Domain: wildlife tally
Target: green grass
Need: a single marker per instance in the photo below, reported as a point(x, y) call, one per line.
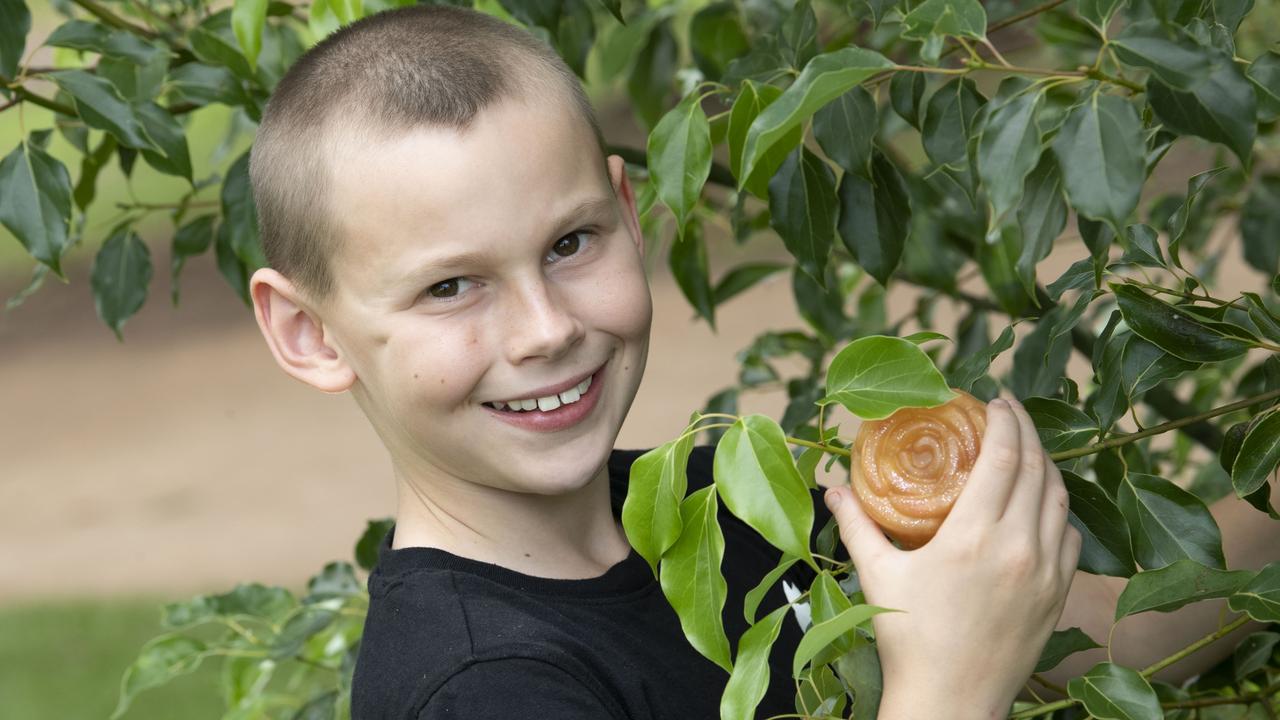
point(64, 660)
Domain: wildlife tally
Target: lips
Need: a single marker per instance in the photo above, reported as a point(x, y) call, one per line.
point(547, 390)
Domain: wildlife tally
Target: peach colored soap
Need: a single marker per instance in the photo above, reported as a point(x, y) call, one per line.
point(908, 468)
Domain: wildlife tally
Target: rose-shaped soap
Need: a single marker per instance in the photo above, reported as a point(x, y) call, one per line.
point(908, 468)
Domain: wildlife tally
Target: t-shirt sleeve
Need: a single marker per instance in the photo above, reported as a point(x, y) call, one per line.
point(514, 687)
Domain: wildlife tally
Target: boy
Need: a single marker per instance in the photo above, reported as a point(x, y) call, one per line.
point(448, 243)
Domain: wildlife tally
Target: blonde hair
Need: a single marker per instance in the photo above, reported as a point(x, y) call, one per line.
point(425, 65)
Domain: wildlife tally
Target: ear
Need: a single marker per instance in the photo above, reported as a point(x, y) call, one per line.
point(296, 334)
point(622, 188)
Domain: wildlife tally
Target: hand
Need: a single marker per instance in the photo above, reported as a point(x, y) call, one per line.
point(982, 597)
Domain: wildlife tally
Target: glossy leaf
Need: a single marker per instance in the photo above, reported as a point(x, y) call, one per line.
point(751, 101)
point(1042, 216)
point(1008, 149)
point(973, 367)
point(757, 476)
point(750, 676)
point(1168, 523)
point(822, 634)
point(716, 38)
point(1179, 62)
point(1174, 330)
point(742, 278)
point(15, 23)
point(949, 121)
point(1100, 149)
point(1106, 547)
point(190, 240)
point(1144, 247)
point(691, 578)
point(802, 209)
point(825, 78)
point(1060, 426)
point(1099, 12)
point(906, 93)
point(120, 278)
point(36, 206)
point(845, 128)
point(1221, 109)
point(1063, 644)
point(1261, 597)
point(162, 659)
point(1259, 220)
point(875, 217)
point(1264, 73)
point(860, 670)
point(957, 18)
point(1258, 456)
point(101, 106)
point(1254, 653)
point(1177, 585)
point(174, 158)
point(872, 377)
point(650, 79)
point(247, 19)
point(1113, 692)
point(651, 512)
point(680, 157)
point(753, 599)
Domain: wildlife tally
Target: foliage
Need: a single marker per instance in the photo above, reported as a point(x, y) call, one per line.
point(883, 143)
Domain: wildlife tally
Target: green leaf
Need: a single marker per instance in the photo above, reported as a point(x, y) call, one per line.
point(1112, 692)
point(1261, 597)
point(688, 262)
point(825, 78)
point(1063, 644)
point(906, 93)
point(200, 84)
point(1168, 523)
point(15, 23)
point(860, 670)
point(872, 377)
point(1144, 247)
point(949, 121)
point(958, 18)
point(751, 101)
point(1040, 360)
point(651, 512)
point(680, 157)
point(802, 209)
point(1258, 222)
point(214, 42)
point(120, 277)
point(651, 75)
point(1100, 149)
point(575, 35)
point(162, 659)
point(240, 216)
point(750, 676)
point(691, 579)
point(742, 278)
point(1106, 547)
point(1254, 653)
point(845, 128)
point(1178, 61)
point(821, 694)
point(1177, 585)
point(822, 634)
point(1264, 73)
point(190, 240)
point(1258, 456)
point(1176, 331)
point(716, 37)
point(1099, 12)
point(1009, 148)
point(753, 599)
point(973, 367)
point(757, 476)
point(102, 107)
point(37, 202)
point(1221, 109)
point(336, 580)
point(875, 217)
point(1042, 215)
point(1060, 426)
point(160, 126)
point(826, 601)
point(615, 8)
point(366, 550)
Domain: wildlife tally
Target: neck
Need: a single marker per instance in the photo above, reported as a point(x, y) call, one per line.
point(567, 536)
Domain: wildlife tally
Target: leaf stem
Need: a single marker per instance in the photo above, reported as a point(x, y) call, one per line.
point(1245, 699)
point(1164, 427)
point(1207, 639)
point(831, 449)
point(24, 95)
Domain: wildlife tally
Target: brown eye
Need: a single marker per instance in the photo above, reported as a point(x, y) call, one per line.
point(447, 288)
point(567, 245)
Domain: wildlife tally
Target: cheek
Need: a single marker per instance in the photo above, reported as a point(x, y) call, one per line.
point(620, 303)
point(439, 368)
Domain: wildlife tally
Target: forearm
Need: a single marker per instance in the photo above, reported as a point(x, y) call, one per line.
point(926, 703)
point(1250, 540)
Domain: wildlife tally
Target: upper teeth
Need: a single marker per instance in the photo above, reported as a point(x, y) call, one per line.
point(548, 403)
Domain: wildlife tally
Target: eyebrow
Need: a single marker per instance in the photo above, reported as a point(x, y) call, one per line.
point(591, 209)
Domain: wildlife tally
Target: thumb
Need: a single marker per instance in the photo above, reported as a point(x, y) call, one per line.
point(861, 535)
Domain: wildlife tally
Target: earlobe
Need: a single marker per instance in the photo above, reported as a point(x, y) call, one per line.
point(622, 187)
point(295, 335)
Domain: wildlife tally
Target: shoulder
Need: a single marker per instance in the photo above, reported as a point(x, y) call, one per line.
point(520, 687)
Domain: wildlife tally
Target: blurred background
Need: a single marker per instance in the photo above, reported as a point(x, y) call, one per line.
point(183, 461)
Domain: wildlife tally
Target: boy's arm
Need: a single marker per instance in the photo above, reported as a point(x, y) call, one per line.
point(1250, 540)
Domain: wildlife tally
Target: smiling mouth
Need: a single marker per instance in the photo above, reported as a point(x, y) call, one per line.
point(546, 403)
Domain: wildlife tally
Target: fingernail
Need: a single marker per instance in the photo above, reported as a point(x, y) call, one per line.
point(833, 498)
point(999, 403)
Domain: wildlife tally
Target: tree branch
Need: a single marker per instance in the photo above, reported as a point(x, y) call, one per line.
point(24, 95)
point(115, 21)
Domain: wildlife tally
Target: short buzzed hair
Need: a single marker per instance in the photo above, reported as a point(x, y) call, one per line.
point(419, 66)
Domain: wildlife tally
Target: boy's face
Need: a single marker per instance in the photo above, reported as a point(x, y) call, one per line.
point(490, 266)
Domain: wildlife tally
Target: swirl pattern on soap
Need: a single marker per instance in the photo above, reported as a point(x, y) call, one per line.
point(908, 468)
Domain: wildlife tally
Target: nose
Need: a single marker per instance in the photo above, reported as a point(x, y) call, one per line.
point(541, 322)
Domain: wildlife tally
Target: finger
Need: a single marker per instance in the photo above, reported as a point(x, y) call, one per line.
point(1054, 509)
point(861, 535)
point(986, 492)
point(1023, 510)
point(1069, 558)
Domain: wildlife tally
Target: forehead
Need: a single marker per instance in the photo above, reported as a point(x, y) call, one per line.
point(401, 199)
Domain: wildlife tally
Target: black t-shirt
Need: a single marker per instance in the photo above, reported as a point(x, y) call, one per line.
point(450, 637)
